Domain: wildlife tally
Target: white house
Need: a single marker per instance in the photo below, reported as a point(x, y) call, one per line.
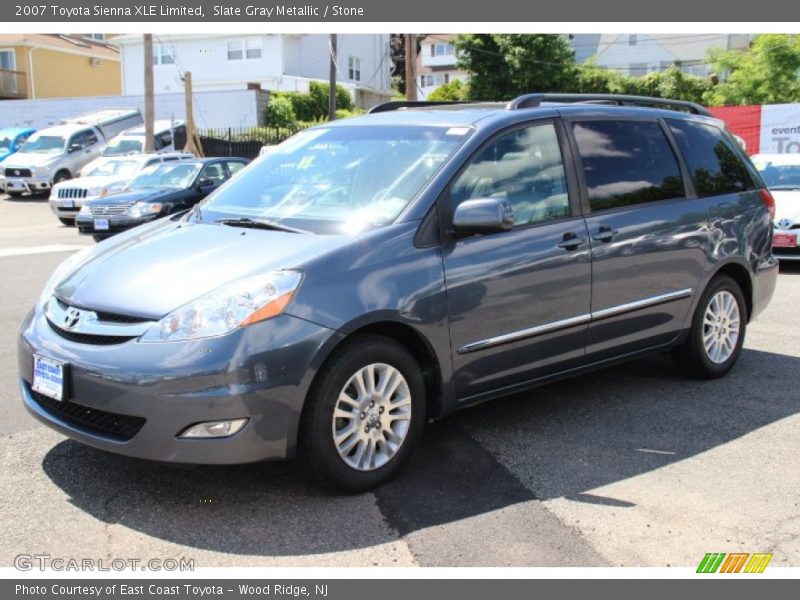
point(639, 54)
point(437, 63)
point(273, 62)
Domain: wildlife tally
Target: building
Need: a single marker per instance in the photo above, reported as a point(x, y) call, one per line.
point(57, 66)
point(639, 54)
point(437, 63)
point(272, 62)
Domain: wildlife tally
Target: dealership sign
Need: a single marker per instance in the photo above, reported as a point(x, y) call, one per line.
point(767, 129)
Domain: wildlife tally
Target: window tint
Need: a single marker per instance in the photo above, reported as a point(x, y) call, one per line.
point(627, 162)
point(715, 166)
point(91, 138)
point(78, 139)
point(234, 167)
point(213, 173)
point(523, 166)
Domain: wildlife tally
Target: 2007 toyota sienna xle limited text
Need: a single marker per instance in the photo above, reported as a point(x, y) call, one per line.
point(371, 274)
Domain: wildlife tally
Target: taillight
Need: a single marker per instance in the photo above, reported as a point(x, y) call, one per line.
point(768, 201)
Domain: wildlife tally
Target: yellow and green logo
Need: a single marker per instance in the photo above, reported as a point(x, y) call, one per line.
point(735, 562)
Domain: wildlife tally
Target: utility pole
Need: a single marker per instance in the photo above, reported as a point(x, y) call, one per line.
point(192, 142)
point(411, 67)
point(149, 143)
point(332, 78)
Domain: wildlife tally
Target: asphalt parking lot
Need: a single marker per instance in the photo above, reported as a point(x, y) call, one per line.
point(629, 466)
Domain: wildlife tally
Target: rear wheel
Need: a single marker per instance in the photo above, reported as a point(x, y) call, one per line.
point(717, 334)
point(364, 414)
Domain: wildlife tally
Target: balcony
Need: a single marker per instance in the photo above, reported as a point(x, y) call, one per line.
point(12, 85)
point(440, 60)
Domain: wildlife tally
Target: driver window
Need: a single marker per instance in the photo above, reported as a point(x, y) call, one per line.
point(77, 139)
point(525, 168)
point(213, 173)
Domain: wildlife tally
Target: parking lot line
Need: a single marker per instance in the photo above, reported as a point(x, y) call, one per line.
point(25, 250)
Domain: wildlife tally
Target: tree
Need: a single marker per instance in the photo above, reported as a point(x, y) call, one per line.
point(453, 91)
point(767, 73)
point(502, 66)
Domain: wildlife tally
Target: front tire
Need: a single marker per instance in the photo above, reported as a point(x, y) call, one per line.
point(364, 414)
point(717, 333)
point(61, 177)
point(67, 222)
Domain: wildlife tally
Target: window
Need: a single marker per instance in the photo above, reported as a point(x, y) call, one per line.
point(524, 167)
point(162, 55)
point(627, 162)
point(235, 50)
point(715, 166)
point(77, 140)
point(162, 140)
point(234, 167)
point(213, 173)
point(98, 37)
point(90, 138)
point(8, 60)
point(633, 39)
point(354, 68)
point(252, 48)
point(442, 49)
point(240, 49)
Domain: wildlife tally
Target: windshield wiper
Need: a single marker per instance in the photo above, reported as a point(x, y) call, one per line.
point(259, 224)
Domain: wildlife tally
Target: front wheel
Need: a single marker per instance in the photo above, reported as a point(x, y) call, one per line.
point(364, 414)
point(67, 222)
point(717, 334)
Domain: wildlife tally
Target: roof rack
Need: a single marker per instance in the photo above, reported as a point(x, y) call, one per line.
point(398, 104)
point(535, 100)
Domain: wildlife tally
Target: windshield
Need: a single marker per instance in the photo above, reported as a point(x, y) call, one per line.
point(44, 144)
point(122, 168)
point(166, 175)
point(336, 180)
point(119, 146)
point(780, 177)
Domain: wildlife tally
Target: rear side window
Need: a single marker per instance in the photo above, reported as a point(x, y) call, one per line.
point(627, 162)
point(715, 166)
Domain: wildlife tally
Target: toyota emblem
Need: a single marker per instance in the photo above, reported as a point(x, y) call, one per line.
point(72, 317)
point(784, 223)
point(16, 172)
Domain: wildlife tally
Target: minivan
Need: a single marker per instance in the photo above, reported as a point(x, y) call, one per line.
point(372, 274)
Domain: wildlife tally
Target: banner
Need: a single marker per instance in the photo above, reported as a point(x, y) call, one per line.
point(767, 129)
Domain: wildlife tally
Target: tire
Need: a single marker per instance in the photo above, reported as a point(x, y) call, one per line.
point(99, 238)
point(693, 357)
point(67, 222)
point(15, 195)
point(61, 177)
point(353, 469)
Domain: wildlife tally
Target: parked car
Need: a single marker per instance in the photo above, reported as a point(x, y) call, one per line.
point(371, 274)
point(11, 139)
point(106, 176)
point(781, 173)
point(55, 154)
point(131, 141)
point(158, 190)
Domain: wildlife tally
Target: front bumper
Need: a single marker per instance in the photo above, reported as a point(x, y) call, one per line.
point(86, 226)
point(33, 185)
point(67, 208)
point(261, 372)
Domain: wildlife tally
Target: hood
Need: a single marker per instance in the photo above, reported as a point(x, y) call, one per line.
point(151, 195)
point(26, 160)
point(4, 152)
point(90, 182)
point(154, 269)
point(787, 206)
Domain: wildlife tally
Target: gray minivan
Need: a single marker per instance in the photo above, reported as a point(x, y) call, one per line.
point(371, 274)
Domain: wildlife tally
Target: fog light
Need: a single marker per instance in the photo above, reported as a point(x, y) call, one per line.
point(214, 429)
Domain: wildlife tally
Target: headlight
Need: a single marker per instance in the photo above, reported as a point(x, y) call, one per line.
point(227, 308)
point(96, 191)
point(142, 209)
point(62, 270)
point(40, 170)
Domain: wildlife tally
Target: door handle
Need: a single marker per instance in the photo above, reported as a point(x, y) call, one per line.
point(605, 234)
point(571, 241)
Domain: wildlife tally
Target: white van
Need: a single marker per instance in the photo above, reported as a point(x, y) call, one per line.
point(56, 154)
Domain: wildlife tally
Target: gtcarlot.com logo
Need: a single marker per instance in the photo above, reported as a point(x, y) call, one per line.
point(42, 562)
point(735, 562)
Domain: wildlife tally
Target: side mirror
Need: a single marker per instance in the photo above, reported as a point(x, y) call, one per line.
point(74, 147)
point(205, 185)
point(483, 215)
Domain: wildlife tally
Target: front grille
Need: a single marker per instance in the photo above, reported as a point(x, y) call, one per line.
point(107, 316)
point(18, 172)
point(91, 420)
point(87, 338)
point(110, 210)
point(72, 193)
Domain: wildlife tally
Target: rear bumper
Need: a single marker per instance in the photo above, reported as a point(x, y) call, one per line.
point(764, 280)
point(136, 398)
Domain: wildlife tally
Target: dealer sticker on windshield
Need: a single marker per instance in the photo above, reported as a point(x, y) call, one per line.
point(48, 377)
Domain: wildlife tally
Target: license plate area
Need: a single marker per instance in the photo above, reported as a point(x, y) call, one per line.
point(784, 240)
point(49, 377)
point(101, 224)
